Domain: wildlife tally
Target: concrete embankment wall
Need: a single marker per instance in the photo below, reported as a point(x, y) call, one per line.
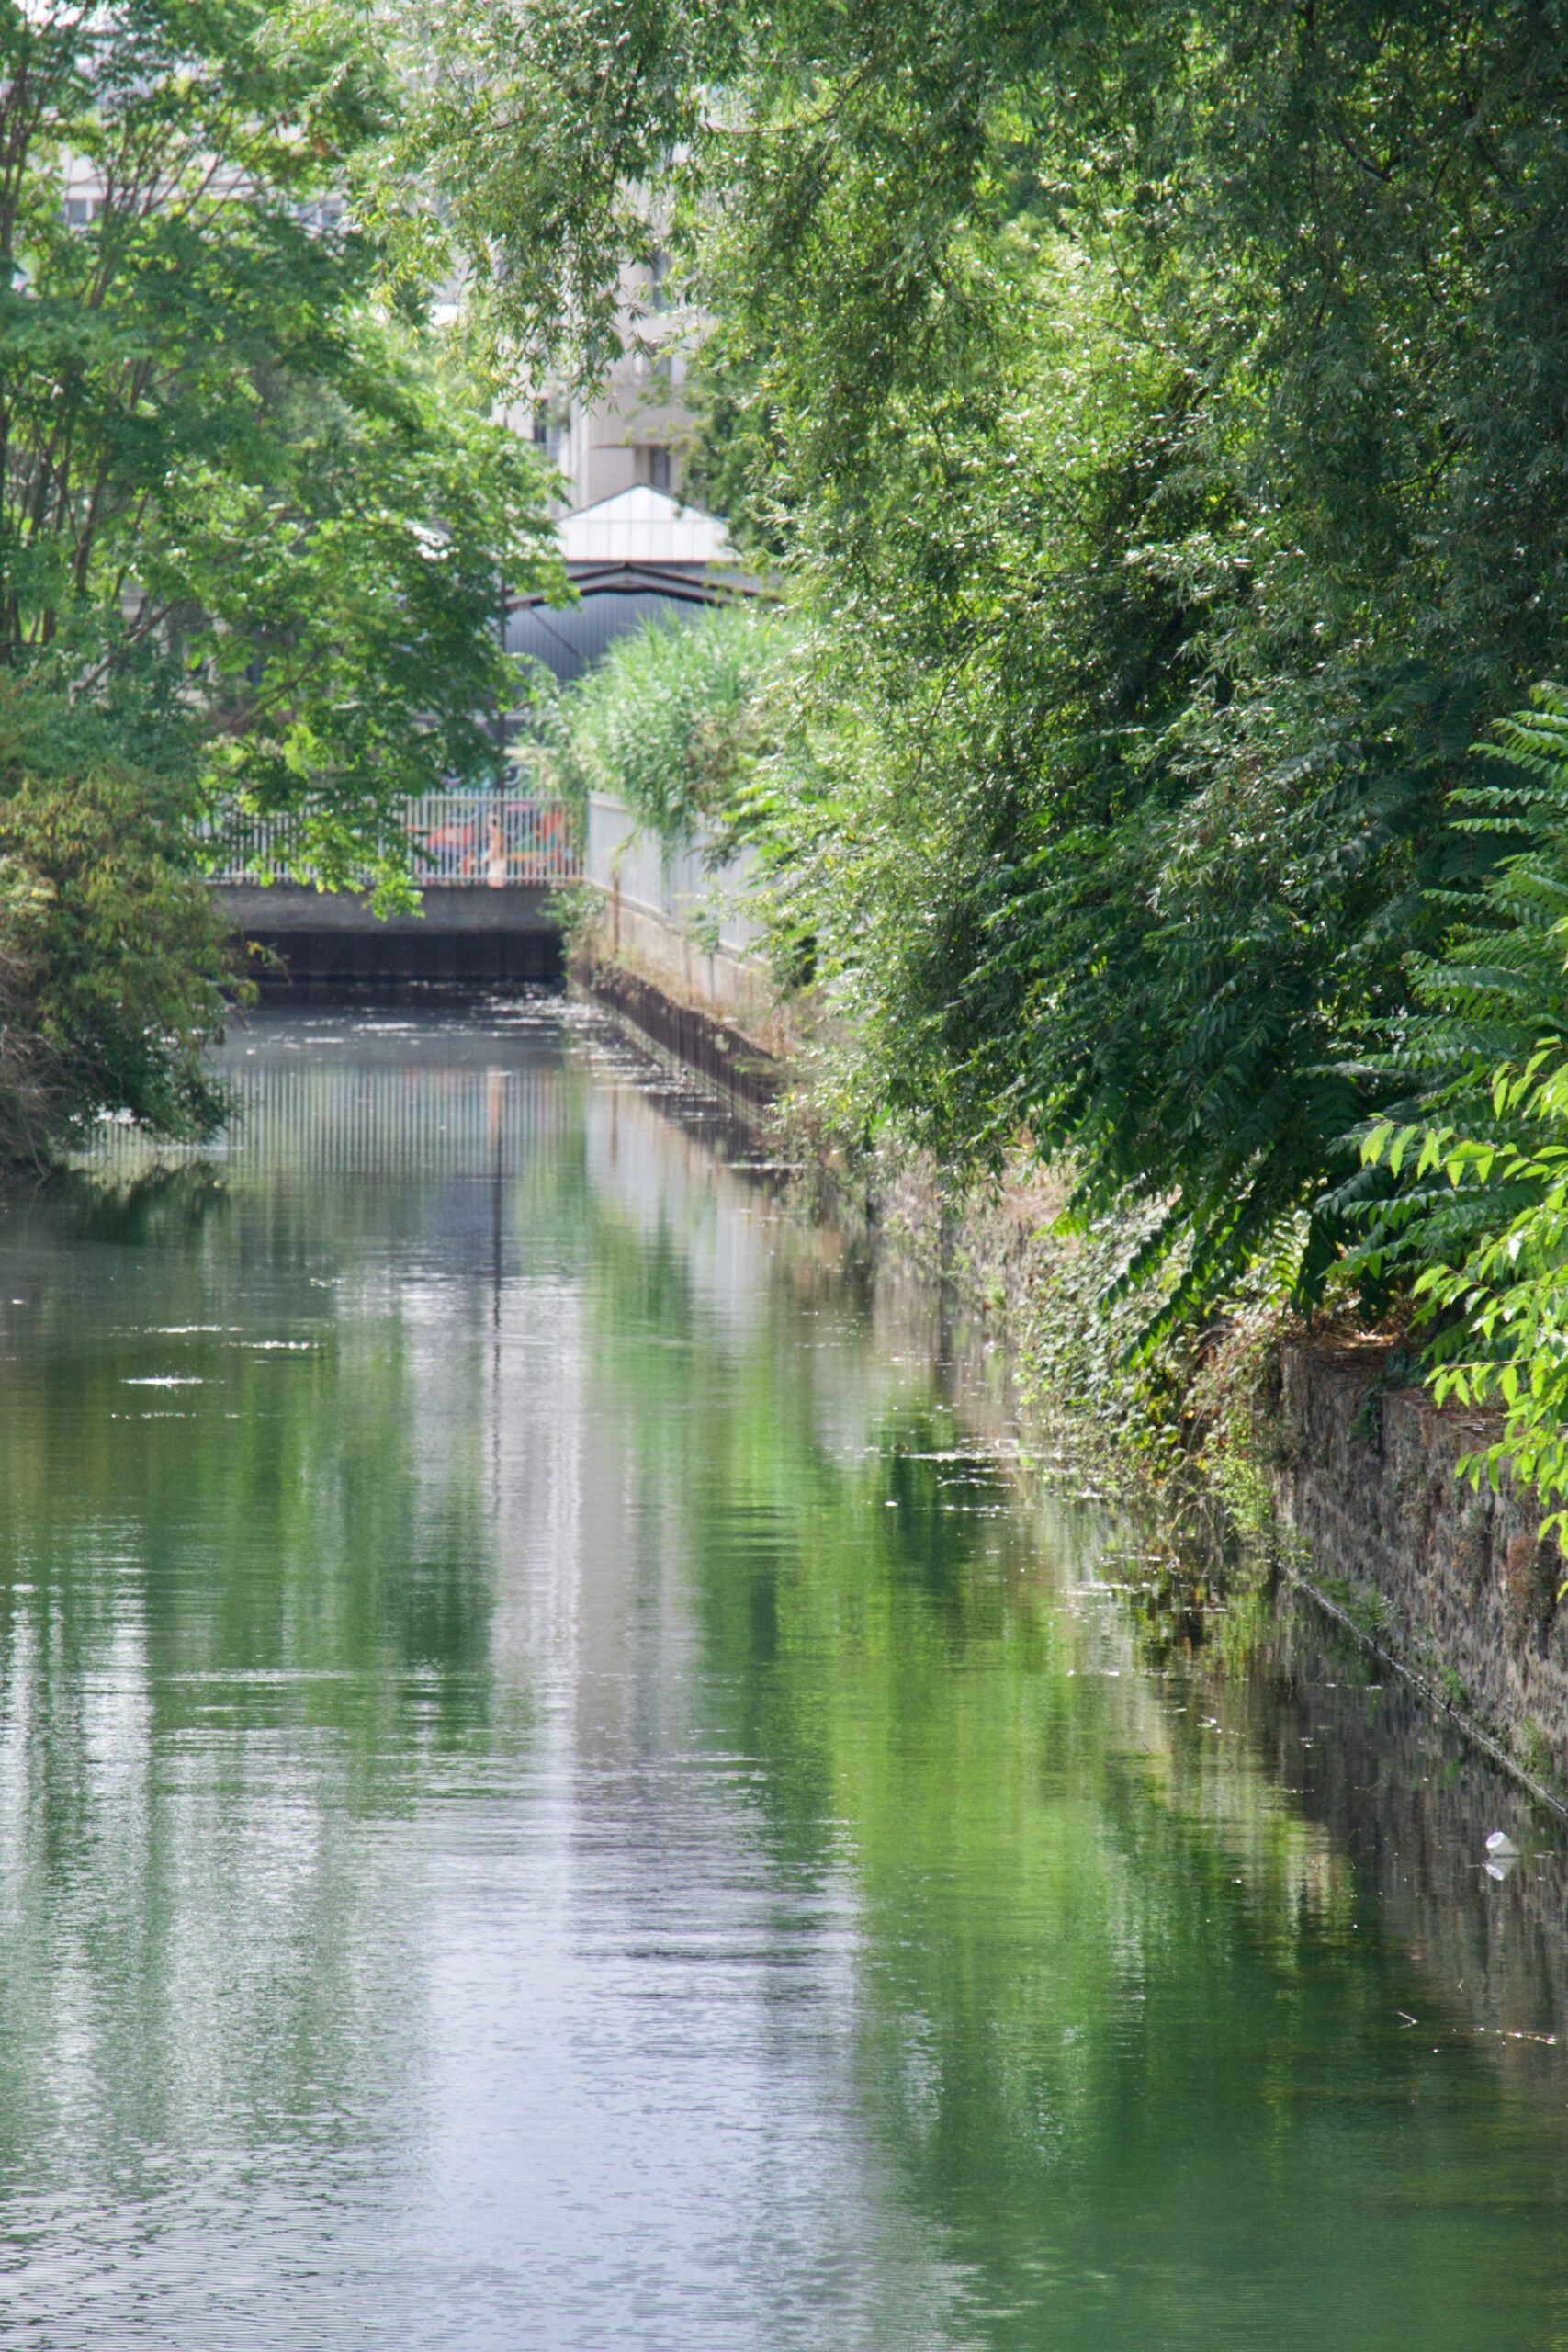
point(670, 948)
point(1372, 1513)
point(677, 919)
point(721, 1054)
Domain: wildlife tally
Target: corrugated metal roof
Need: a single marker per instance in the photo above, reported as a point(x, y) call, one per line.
point(571, 641)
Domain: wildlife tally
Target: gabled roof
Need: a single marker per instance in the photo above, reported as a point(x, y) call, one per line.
point(643, 526)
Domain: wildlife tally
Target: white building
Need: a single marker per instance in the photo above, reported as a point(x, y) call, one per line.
point(637, 432)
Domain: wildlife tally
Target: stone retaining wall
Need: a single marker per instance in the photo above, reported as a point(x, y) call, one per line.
point(1455, 1581)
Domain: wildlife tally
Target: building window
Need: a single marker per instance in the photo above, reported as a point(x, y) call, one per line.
point(659, 280)
point(659, 469)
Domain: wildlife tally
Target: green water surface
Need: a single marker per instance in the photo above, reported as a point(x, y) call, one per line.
point(553, 1793)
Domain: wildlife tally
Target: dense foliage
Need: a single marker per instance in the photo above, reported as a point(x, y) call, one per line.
point(671, 723)
point(111, 953)
point(1162, 414)
point(250, 537)
point(1477, 1225)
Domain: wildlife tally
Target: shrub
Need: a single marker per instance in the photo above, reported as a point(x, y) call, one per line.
point(1474, 1162)
point(112, 956)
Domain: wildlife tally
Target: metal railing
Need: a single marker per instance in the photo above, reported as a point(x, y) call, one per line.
point(466, 838)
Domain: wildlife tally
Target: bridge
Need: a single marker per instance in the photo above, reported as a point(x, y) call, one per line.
point(487, 868)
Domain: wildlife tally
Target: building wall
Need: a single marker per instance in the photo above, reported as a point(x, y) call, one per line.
point(637, 432)
point(638, 427)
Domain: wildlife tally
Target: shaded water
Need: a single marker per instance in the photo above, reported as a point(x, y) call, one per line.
point(549, 1797)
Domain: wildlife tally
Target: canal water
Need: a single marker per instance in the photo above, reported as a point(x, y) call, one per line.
point(558, 1791)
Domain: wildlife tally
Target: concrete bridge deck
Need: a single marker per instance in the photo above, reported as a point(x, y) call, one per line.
point(510, 932)
point(487, 864)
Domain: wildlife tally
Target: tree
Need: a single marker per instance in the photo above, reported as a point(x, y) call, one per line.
point(113, 963)
point(1165, 411)
point(254, 527)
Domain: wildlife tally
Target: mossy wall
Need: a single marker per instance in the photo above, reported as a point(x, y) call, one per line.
point(1455, 1582)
